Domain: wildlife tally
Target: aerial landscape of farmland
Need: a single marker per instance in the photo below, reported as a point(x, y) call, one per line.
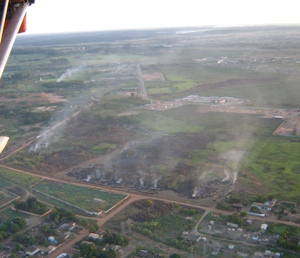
point(150, 143)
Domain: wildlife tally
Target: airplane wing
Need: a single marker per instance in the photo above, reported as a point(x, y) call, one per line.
point(13, 21)
point(3, 142)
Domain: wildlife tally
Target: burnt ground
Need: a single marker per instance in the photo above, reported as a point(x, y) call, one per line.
point(165, 163)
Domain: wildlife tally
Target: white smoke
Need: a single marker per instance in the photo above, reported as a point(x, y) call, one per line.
point(68, 73)
point(227, 176)
point(88, 178)
point(155, 180)
point(142, 184)
point(97, 174)
point(58, 122)
point(235, 174)
point(195, 192)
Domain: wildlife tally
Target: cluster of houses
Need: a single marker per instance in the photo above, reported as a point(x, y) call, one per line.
point(65, 231)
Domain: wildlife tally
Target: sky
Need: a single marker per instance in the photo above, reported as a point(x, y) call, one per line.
point(56, 16)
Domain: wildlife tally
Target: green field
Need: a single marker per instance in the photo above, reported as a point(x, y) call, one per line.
point(85, 198)
point(21, 179)
point(9, 213)
point(277, 163)
point(6, 196)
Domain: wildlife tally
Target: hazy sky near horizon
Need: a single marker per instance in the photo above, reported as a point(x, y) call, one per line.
point(48, 16)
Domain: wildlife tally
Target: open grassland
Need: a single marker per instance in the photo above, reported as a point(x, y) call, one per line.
point(20, 179)
point(277, 164)
point(86, 198)
point(187, 119)
point(9, 213)
point(5, 183)
point(6, 196)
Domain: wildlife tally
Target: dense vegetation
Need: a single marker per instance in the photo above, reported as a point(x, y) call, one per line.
point(289, 236)
point(60, 216)
point(104, 247)
point(32, 205)
point(11, 226)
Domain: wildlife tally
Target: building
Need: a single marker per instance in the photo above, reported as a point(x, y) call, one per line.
point(231, 247)
point(32, 250)
point(95, 236)
point(268, 206)
point(263, 227)
point(232, 225)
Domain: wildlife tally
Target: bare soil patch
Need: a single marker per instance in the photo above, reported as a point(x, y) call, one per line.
point(290, 127)
point(52, 98)
point(33, 98)
point(153, 77)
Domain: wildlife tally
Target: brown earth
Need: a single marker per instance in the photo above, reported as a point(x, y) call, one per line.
point(153, 76)
point(34, 98)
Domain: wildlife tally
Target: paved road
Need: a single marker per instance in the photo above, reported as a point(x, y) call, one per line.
point(141, 82)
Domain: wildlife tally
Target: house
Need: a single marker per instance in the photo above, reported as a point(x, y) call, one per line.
point(68, 226)
point(95, 236)
point(46, 249)
point(148, 254)
point(268, 206)
point(20, 254)
point(9, 246)
point(263, 227)
point(237, 206)
point(51, 248)
point(32, 250)
point(114, 247)
point(269, 254)
point(86, 243)
point(52, 240)
point(232, 225)
point(231, 247)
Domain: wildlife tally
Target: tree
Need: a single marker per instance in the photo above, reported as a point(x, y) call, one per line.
point(243, 214)
point(18, 247)
point(150, 203)
point(93, 228)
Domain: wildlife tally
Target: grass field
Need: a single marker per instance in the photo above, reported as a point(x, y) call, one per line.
point(6, 196)
point(85, 198)
point(9, 213)
point(21, 179)
point(277, 164)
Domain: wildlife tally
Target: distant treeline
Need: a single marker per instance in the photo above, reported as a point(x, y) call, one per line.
point(25, 117)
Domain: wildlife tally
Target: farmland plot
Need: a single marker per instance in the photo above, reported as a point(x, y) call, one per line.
point(91, 200)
